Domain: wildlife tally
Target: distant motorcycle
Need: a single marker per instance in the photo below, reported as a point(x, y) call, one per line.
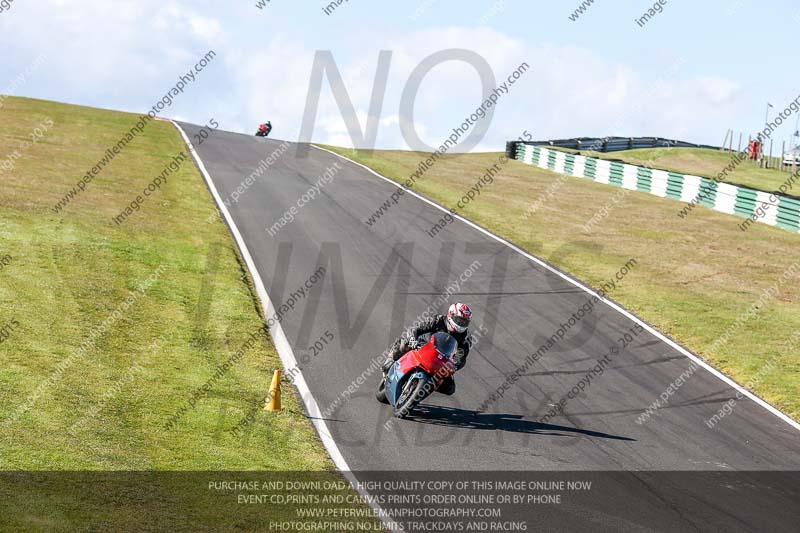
point(417, 374)
point(263, 130)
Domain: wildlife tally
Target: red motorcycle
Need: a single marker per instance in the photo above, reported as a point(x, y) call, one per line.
point(417, 374)
point(264, 129)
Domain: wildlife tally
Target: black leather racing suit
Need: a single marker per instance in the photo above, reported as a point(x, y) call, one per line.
point(432, 325)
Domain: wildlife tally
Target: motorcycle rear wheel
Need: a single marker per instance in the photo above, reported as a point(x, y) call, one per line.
point(414, 391)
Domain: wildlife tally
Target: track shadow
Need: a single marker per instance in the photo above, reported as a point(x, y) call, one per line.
point(438, 415)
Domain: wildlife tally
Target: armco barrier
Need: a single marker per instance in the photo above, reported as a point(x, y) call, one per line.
point(612, 144)
point(776, 210)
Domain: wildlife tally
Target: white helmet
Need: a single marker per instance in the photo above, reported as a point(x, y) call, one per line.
point(458, 317)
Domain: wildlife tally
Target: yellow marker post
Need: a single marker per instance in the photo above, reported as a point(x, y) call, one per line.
point(274, 398)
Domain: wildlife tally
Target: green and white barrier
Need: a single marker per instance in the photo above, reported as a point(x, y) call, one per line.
point(768, 208)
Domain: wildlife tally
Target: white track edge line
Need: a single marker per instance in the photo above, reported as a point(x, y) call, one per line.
point(279, 338)
point(697, 359)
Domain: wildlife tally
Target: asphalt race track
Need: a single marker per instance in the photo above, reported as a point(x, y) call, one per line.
point(379, 278)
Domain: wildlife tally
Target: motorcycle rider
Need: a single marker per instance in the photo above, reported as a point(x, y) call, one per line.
point(265, 128)
point(456, 323)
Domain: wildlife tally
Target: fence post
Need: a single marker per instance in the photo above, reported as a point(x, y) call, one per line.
point(769, 161)
point(722, 148)
point(740, 143)
point(783, 151)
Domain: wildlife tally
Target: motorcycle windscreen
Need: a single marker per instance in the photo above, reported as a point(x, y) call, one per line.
point(445, 344)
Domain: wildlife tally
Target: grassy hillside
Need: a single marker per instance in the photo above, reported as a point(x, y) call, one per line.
point(695, 276)
point(701, 162)
point(108, 329)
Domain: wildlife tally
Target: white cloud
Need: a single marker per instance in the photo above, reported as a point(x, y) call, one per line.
point(207, 28)
point(569, 91)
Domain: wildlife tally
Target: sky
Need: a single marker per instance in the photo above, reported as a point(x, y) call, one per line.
point(690, 72)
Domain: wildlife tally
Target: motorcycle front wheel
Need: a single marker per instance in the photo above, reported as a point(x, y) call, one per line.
point(415, 390)
point(380, 394)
